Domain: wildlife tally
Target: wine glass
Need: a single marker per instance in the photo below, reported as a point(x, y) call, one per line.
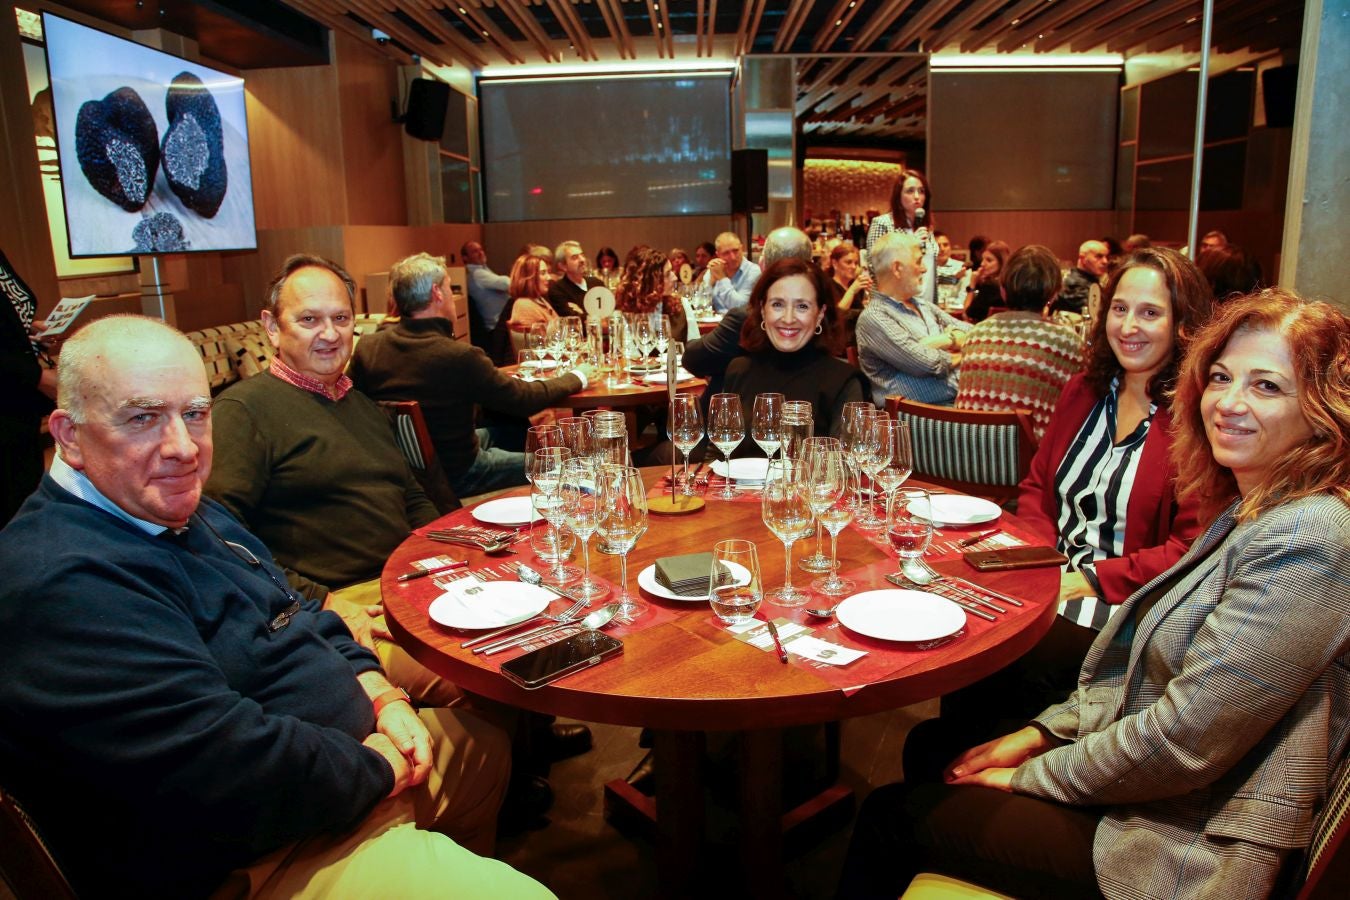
point(661, 331)
point(827, 480)
point(536, 341)
point(848, 431)
point(577, 436)
point(909, 532)
point(623, 519)
point(786, 510)
point(686, 429)
point(895, 455)
point(536, 438)
point(581, 512)
point(726, 430)
point(797, 426)
point(866, 451)
point(544, 470)
point(734, 584)
point(818, 561)
point(766, 421)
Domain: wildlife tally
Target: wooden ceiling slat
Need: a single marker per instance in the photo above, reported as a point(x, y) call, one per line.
point(475, 18)
point(434, 22)
point(338, 21)
point(1146, 24)
point(842, 13)
point(394, 27)
point(793, 20)
point(571, 24)
point(1042, 21)
point(613, 17)
point(1105, 22)
point(879, 21)
point(529, 26)
point(919, 24)
point(955, 30)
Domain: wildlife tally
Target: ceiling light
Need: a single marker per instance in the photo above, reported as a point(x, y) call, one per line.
point(617, 69)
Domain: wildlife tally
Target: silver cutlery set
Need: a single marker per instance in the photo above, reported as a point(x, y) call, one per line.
point(487, 540)
point(975, 599)
point(545, 623)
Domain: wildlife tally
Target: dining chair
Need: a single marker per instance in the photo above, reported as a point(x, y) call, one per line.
point(980, 452)
point(26, 864)
point(413, 438)
point(1326, 869)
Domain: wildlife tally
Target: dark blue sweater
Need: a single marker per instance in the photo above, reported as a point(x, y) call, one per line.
point(160, 733)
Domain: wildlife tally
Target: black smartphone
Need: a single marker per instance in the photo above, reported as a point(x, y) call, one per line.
point(1014, 558)
point(580, 651)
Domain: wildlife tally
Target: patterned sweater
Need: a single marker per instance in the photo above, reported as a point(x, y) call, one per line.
point(1017, 360)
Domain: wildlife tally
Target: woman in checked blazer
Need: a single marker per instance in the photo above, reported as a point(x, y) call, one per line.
point(1213, 712)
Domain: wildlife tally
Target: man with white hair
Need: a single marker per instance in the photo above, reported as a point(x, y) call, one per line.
point(566, 294)
point(731, 277)
point(1074, 296)
point(906, 345)
point(178, 719)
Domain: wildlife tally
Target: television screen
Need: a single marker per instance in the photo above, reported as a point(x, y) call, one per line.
point(153, 148)
point(654, 145)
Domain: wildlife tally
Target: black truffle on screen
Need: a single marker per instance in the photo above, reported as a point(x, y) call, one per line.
point(117, 144)
point(194, 145)
point(160, 233)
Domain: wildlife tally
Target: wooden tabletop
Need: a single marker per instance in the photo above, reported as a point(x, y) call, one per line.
point(689, 672)
point(633, 392)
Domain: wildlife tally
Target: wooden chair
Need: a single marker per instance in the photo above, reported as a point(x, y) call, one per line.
point(410, 431)
point(975, 451)
point(26, 864)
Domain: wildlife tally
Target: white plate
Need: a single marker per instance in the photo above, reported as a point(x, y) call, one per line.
point(950, 509)
point(494, 604)
point(506, 511)
point(647, 581)
point(660, 377)
point(749, 468)
point(894, 615)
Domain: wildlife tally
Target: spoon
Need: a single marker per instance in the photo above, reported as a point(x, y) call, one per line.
point(901, 581)
point(821, 613)
point(918, 573)
point(532, 576)
point(595, 620)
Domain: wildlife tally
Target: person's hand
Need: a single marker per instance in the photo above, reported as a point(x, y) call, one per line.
point(1073, 585)
point(1007, 752)
point(958, 338)
point(923, 234)
point(402, 771)
point(399, 723)
point(863, 282)
point(587, 371)
point(363, 620)
point(941, 341)
point(717, 270)
point(999, 779)
point(378, 627)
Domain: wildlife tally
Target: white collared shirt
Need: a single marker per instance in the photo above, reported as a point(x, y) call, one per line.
point(77, 483)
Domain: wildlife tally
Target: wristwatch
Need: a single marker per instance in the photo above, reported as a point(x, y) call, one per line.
point(393, 695)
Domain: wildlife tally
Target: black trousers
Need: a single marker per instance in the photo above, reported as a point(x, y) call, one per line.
point(1011, 843)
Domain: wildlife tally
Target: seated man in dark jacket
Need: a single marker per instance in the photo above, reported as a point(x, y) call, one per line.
point(175, 715)
point(420, 359)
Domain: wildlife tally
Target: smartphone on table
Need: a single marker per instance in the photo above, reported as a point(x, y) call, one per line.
point(580, 651)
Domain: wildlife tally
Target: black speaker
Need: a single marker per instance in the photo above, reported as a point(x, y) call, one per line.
point(749, 180)
point(1279, 86)
point(427, 99)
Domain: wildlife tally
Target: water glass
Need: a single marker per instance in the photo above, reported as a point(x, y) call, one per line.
point(786, 511)
point(798, 425)
point(581, 513)
point(894, 459)
point(766, 422)
point(623, 519)
point(577, 435)
point(734, 586)
point(726, 430)
point(827, 477)
point(609, 438)
point(537, 437)
point(813, 446)
point(544, 470)
point(686, 429)
point(526, 365)
point(908, 533)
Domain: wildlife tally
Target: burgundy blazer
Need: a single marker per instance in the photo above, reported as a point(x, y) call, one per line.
point(1157, 530)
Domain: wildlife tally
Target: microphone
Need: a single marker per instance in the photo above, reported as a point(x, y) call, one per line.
point(920, 215)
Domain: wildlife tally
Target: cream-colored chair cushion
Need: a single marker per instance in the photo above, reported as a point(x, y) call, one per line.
point(250, 352)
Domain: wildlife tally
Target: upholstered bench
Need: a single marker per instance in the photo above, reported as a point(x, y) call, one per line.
point(234, 352)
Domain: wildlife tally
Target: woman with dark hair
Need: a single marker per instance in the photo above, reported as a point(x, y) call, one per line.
point(648, 285)
point(1019, 359)
point(1229, 272)
point(606, 265)
point(791, 335)
point(911, 211)
point(983, 293)
point(1103, 485)
point(530, 277)
point(1212, 716)
point(848, 282)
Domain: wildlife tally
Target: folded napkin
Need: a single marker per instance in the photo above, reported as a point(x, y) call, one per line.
point(685, 575)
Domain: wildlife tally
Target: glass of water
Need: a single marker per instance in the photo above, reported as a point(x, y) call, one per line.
point(907, 526)
point(734, 586)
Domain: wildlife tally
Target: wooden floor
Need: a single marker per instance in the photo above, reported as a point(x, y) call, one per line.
point(581, 857)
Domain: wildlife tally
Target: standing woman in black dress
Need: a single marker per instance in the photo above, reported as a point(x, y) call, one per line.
point(27, 388)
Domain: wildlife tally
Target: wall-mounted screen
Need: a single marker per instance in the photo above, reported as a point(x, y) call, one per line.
point(153, 148)
point(606, 146)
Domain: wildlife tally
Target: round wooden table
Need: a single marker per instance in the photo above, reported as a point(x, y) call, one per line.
point(689, 675)
point(627, 398)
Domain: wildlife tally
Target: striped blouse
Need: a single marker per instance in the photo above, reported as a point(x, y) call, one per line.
point(1093, 484)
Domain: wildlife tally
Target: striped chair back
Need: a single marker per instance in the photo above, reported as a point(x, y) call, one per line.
point(414, 439)
point(986, 454)
point(25, 862)
point(1329, 853)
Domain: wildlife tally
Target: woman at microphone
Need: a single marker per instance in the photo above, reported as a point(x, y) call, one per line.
point(911, 212)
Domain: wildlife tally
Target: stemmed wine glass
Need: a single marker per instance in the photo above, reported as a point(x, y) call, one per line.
point(536, 341)
point(544, 469)
point(850, 429)
point(726, 430)
point(895, 456)
point(868, 451)
point(818, 561)
point(909, 532)
point(766, 420)
point(797, 426)
point(827, 480)
point(581, 512)
point(623, 519)
point(577, 436)
point(686, 429)
point(786, 511)
point(537, 437)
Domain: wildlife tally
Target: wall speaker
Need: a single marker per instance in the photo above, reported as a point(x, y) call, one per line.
point(427, 99)
point(749, 180)
point(1279, 87)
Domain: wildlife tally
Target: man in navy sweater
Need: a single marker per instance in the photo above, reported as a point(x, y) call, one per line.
point(176, 718)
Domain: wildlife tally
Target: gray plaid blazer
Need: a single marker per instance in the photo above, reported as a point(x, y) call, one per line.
point(1213, 712)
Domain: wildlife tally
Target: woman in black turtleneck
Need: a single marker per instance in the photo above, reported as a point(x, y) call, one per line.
point(790, 337)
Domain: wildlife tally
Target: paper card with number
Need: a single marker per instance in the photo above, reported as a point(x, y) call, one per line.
point(65, 312)
point(599, 302)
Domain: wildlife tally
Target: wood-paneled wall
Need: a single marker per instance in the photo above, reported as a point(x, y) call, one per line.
point(372, 141)
point(503, 240)
point(1060, 230)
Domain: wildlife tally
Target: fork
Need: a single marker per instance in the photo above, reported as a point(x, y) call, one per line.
point(959, 582)
point(493, 546)
point(563, 617)
point(566, 617)
point(954, 597)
